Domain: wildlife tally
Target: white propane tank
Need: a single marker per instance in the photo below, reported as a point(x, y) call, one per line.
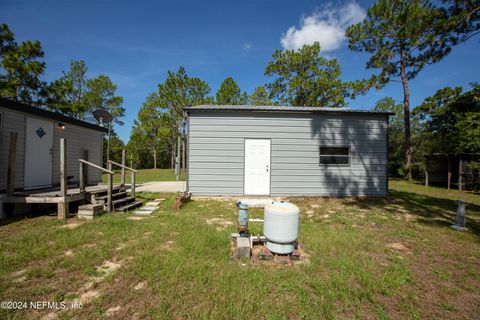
point(280, 226)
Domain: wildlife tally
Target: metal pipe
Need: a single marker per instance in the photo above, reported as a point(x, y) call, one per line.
point(460, 218)
point(242, 218)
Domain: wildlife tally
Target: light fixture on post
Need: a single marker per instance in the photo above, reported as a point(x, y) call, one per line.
point(103, 116)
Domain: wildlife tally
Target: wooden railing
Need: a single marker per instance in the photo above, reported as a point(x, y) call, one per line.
point(122, 176)
point(82, 178)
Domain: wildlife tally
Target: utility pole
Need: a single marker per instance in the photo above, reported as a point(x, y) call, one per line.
point(177, 158)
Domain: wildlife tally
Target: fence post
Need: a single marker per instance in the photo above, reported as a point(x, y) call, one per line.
point(122, 178)
point(109, 188)
point(132, 192)
point(81, 175)
point(62, 206)
point(85, 167)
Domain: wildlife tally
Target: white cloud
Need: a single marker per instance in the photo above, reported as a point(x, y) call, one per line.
point(327, 26)
point(246, 47)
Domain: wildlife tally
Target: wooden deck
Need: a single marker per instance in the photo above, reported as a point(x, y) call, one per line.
point(53, 195)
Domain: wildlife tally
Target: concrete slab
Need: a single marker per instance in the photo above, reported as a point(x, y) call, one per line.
point(163, 186)
point(152, 203)
point(458, 228)
point(149, 208)
point(143, 212)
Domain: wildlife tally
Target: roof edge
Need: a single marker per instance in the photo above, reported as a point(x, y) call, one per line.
point(25, 108)
point(251, 108)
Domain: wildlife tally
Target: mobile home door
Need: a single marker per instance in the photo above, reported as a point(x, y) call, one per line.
point(38, 153)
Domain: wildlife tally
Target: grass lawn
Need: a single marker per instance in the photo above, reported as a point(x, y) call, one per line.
point(147, 175)
point(392, 258)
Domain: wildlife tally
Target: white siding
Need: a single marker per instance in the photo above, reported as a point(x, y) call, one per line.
point(78, 139)
point(12, 122)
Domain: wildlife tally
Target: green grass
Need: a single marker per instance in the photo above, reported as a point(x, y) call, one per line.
point(185, 262)
point(147, 175)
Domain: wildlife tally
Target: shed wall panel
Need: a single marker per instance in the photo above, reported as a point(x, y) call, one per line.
point(216, 152)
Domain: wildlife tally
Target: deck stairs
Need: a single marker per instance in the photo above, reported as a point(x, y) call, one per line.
point(121, 199)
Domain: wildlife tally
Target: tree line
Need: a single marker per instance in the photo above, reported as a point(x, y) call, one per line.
point(399, 37)
point(72, 94)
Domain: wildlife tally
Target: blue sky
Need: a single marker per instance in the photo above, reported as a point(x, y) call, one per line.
point(137, 42)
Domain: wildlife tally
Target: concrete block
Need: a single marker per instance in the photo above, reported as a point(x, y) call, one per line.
point(143, 212)
point(85, 216)
point(147, 207)
point(89, 211)
point(243, 247)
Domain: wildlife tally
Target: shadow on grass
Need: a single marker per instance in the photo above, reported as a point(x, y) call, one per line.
point(428, 209)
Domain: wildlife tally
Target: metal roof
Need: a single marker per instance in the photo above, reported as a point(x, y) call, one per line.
point(22, 107)
point(282, 109)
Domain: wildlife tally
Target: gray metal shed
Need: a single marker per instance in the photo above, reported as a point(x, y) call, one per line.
point(286, 151)
point(38, 134)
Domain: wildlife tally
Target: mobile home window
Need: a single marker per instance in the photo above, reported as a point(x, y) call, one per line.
point(335, 155)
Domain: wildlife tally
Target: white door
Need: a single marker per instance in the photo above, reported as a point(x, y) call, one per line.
point(38, 153)
point(257, 167)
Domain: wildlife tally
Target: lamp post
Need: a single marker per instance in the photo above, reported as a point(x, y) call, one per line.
point(177, 158)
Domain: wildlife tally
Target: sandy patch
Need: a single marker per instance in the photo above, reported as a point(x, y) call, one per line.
point(20, 279)
point(19, 276)
point(68, 253)
point(398, 246)
point(146, 235)
point(168, 245)
point(135, 218)
point(140, 286)
point(19, 273)
point(219, 222)
point(50, 316)
point(71, 225)
point(121, 246)
point(88, 296)
point(108, 267)
point(112, 311)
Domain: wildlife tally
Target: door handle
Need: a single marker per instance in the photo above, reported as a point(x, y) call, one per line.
point(267, 168)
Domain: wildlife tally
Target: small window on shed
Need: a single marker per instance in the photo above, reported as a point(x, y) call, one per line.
point(335, 155)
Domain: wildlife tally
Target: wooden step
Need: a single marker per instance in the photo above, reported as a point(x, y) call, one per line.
point(121, 201)
point(130, 206)
point(102, 192)
point(114, 196)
